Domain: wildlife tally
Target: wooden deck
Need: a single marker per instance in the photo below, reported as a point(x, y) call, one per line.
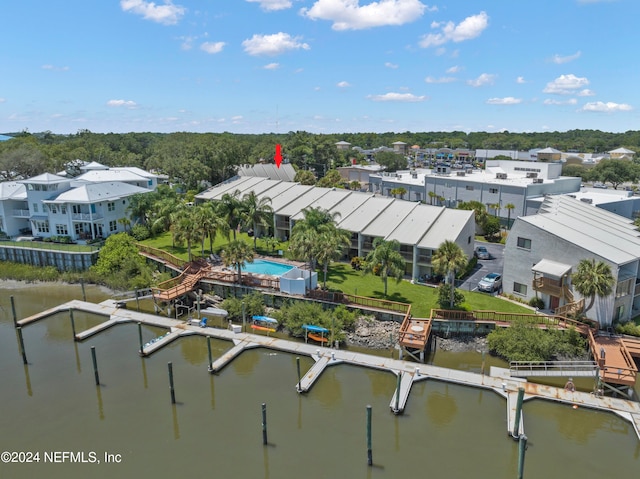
point(614, 359)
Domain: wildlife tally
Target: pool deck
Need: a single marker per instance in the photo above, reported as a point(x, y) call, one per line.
point(409, 373)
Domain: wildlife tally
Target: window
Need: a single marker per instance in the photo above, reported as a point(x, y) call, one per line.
point(469, 187)
point(53, 209)
point(519, 288)
point(111, 206)
point(113, 226)
point(42, 226)
point(63, 209)
point(35, 207)
point(78, 229)
point(62, 230)
point(493, 190)
point(524, 243)
point(76, 209)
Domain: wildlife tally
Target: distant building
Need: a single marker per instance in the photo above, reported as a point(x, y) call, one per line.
point(543, 250)
point(500, 183)
point(622, 154)
point(285, 172)
point(343, 145)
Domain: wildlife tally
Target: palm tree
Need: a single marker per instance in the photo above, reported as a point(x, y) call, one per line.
point(211, 223)
point(509, 207)
point(385, 259)
point(162, 210)
point(184, 227)
point(235, 254)
point(432, 195)
point(593, 279)
point(230, 207)
point(331, 246)
point(256, 211)
point(448, 260)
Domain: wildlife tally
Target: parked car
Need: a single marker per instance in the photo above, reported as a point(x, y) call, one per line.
point(490, 283)
point(482, 252)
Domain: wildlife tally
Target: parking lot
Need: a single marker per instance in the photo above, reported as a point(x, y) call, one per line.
point(486, 266)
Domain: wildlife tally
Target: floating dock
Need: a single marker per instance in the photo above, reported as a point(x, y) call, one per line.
point(499, 380)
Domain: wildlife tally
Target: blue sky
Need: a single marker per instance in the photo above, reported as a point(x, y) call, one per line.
point(323, 66)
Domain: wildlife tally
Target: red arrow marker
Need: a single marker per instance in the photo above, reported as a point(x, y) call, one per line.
point(278, 157)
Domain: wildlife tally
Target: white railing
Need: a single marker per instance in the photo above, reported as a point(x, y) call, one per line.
point(21, 213)
point(553, 368)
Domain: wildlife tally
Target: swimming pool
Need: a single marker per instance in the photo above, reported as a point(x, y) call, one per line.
point(261, 266)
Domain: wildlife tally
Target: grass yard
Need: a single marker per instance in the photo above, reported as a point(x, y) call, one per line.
point(343, 277)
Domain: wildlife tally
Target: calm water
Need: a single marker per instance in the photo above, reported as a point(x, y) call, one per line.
point(215, 429)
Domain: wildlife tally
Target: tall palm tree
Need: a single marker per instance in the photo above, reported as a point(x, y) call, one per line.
point(235, 254)
point(593, 279)
point(184, 227)
point(448, 260)
point(509, 207)
point(432, 195)
point(211, 223)
point(386, 260)
point(256, 211)
point(230, 207)
point(331, 246)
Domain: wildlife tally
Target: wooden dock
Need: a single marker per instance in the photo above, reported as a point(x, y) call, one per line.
point(498, 380)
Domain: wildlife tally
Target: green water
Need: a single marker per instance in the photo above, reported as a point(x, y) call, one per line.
point(214, 430)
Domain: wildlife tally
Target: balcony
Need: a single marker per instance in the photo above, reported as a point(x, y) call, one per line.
point(549, 286)
point(86, 216)
point(20, 213)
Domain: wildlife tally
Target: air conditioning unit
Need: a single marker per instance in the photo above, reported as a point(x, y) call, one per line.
point(460, 173)
point(586, 200)
point(532, 174)
point(538, 180)
point(501, 176)
point(414, 176)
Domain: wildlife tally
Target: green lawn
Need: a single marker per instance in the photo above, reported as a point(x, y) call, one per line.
point(342, 277)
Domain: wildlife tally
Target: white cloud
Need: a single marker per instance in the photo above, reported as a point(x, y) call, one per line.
point(454, 69)
point(343, 84)
point(570, 101)
point(350, 15)
point(470, 27)
point(586, 92)
point(272, 5)
point(569, 58)
point(2, 100)
point(129, 104)
point(167, 14)
point(482, 80)
point(508, 100)
point(439, 80)
point(55, 68)
point(212, 47)
point(271, 45)
point(400, 97)
point(566, 85)
point(271, 66)
point(521, 80)
point(607, 107)
point(390, 65)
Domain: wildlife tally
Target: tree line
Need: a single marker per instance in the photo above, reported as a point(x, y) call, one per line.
point(191, 158)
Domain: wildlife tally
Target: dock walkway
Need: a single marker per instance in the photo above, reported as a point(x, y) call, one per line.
point(499, 380)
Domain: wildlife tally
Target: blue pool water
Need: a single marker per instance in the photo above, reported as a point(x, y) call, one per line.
point(261, 266)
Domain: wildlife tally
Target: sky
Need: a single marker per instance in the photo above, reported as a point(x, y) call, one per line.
point(321, 66)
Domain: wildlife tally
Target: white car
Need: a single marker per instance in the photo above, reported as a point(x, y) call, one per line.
point(490, 283)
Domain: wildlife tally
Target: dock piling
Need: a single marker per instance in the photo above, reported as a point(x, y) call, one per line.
point(13, 312)
point(369, 450)
point(210, 356)
point(73, 324)
point(397, 407)
point(140, 338)
point(264, 424)
point(84, 294)
point(173, 392)
point(299, 377)
point(516, 425)
point(21, 340)
point(95, 365)
point(522, 447)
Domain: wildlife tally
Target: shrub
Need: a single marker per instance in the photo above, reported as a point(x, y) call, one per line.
point(444, 292)
point(253, 306)
point(356, 263)
point(628, 328)
point(140, 232)
point(536, 303)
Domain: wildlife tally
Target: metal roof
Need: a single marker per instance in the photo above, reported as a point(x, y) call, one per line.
point(358, 220)
point(599, 231)
point(326, 202)
point(303, 201)
point(551, 268)
point(449, 225)
point(94, 192)
point(415, 224)
point(389, 219)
